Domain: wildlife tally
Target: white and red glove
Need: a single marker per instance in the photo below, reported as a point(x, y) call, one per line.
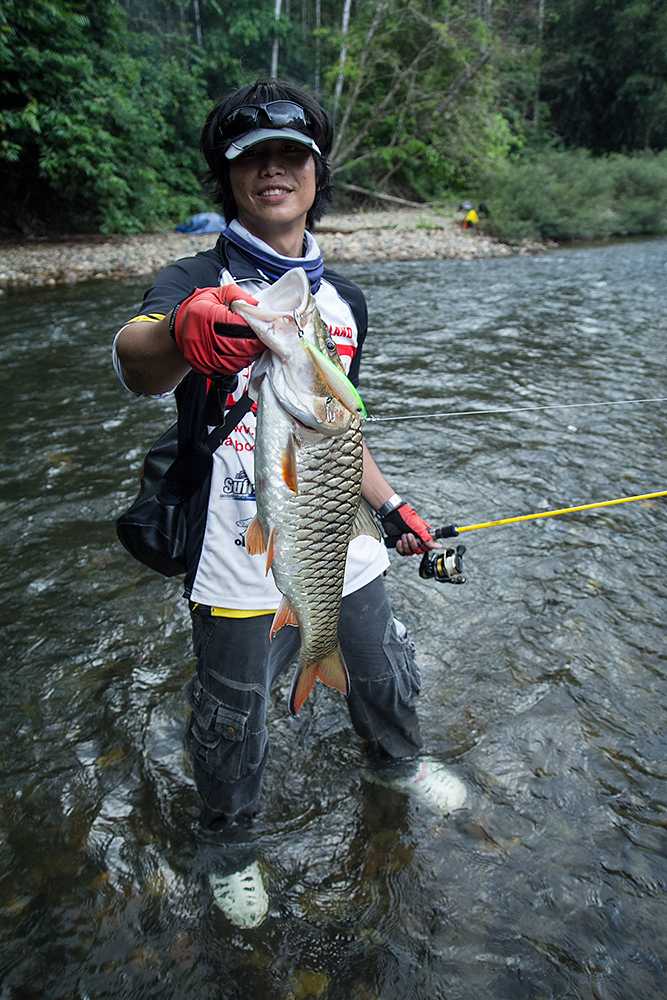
point(404, 528)
point(212, 339)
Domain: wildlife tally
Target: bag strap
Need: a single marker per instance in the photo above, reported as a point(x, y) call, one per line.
point(234, 416)
point(189, 469)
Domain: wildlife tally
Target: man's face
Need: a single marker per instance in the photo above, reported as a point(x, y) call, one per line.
point(274, 187)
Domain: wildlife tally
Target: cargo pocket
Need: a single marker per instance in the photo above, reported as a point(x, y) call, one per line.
point(401, 653)
point(216, 735)
point(219, 737)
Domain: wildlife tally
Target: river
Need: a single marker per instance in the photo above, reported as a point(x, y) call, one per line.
point(544, 676)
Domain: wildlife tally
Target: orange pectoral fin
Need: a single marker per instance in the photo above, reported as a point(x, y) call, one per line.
point(255, 542)
point(288, 462)
point(285, 615)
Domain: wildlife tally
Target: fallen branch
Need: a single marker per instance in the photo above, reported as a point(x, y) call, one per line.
point(383, 197)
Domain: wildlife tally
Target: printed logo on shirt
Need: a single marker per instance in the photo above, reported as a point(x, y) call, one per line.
point(341, 331)
point(238, 487)
point(239, 445)
point(242, 525)
point(343, 337)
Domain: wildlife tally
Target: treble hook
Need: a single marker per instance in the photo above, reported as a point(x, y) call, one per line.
point(295, 317)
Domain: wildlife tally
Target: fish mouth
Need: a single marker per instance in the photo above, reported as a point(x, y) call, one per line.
point(305, 416)
point(287, 296)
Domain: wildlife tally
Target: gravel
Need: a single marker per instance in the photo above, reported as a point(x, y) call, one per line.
point(406, 234)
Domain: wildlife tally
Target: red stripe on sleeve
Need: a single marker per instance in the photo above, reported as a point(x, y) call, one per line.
point(346, 350)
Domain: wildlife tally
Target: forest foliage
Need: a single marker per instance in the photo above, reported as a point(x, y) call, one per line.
point(554, 113)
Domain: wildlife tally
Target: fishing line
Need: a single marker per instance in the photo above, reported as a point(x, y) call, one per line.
point(516, 409)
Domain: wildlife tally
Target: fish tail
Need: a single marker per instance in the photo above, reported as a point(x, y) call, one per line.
point(329, 670)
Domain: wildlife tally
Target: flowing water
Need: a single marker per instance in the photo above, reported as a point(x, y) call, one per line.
point(544, 676)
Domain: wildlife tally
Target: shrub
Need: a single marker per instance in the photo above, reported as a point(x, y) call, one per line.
point(571, 195)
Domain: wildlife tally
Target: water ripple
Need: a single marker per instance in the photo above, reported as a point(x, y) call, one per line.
point(544, 677)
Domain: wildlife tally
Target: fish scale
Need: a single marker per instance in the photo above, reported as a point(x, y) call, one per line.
point(322, 535)
point(308, 472)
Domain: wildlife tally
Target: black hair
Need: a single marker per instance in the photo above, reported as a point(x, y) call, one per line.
point(262, 92)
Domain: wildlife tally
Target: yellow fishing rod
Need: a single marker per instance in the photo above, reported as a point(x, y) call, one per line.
point(451, 530)
point(447, 566)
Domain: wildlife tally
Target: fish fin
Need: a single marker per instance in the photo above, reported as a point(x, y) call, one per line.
point(365, 522)
point(255, 542)
point(302, 685)
point(330, 670)
point(289, 466)
point(285, 615)
point(270, 551)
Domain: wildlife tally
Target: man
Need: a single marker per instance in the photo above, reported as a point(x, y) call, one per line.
point(266, 146)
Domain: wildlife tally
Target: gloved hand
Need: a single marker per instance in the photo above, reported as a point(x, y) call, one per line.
point(407, 531)
point(212, 339)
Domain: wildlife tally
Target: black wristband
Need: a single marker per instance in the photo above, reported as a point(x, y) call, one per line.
point(390, 505)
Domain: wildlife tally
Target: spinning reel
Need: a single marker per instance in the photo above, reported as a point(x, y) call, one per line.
point(445, 567)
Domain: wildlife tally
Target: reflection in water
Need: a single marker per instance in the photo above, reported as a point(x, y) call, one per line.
point(545, 675)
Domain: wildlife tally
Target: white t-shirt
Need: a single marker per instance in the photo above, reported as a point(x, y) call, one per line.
point(227, 576)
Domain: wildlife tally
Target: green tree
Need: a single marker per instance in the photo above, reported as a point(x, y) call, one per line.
point(101, 101)
point(420, 107)
point(93, 133)
point(605, 73)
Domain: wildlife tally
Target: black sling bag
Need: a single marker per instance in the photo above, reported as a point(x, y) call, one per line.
point(154, 528)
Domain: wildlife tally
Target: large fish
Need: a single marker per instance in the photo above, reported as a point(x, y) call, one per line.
point(308, 469)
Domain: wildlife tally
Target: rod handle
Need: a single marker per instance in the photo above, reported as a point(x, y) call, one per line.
point(447, 531)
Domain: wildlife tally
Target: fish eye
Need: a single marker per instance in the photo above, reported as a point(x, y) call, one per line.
point(330, 346)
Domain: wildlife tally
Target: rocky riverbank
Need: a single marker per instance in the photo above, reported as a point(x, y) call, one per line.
point(405, 234)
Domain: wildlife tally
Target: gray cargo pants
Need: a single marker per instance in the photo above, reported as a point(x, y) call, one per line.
point(227, 735)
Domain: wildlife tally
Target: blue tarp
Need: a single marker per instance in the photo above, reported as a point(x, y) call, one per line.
point(203, 222)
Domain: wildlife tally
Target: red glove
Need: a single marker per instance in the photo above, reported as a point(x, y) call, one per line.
point(404, 520)
point(212, 339)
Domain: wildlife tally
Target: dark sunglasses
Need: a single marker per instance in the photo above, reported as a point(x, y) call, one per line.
point(278, 114)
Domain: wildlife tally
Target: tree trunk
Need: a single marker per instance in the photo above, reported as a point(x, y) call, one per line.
point(347, 4)
point(375, 23)
point(276, 43)
point(318, 46)
point(199, 38)
point(485, 8)
point(538, 74)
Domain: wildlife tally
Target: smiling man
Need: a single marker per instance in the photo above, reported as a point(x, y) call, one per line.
point(266, 146)
point(273, 185)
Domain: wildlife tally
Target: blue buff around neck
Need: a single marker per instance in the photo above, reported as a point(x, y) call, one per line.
point(275, 267)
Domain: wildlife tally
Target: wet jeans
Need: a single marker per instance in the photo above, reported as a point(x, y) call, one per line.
point(227, 734)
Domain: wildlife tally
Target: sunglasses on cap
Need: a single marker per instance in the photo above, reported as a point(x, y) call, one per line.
point(277, 114)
